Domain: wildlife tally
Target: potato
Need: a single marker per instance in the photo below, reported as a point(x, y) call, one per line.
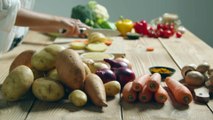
point(37, 74)
point(24, 58)
point(53, 74)
point(94, 87)
point(112, 88)
point(17, 83)
point(46, 89)
point(78, 98)
point(87, 70)
point(44, 59)
point(70, 69)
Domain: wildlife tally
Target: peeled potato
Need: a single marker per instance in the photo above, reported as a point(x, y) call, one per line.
point(77, 45)
point(96, 47)
point(78, 98)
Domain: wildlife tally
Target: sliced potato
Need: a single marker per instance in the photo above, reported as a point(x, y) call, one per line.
point(96, 47)
point(77, 45)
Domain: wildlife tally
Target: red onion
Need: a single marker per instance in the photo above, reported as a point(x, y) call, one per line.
point(106, 75)
point(124, 75)
point(116, 64)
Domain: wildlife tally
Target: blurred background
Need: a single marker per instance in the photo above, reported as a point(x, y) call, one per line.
point(195, 15)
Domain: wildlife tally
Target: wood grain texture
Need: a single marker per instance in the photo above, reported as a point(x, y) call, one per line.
point(187, 50)
point(64, 110)
point(171, 52)
point(142, 60)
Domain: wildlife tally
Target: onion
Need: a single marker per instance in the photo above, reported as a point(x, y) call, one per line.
point(106, 75)
point(124, 75)
point(116, 64)
point(120, 59)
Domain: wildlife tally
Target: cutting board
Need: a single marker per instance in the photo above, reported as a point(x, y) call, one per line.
point(117, 47)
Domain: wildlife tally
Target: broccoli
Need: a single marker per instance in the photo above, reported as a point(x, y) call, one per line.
point(82, 13)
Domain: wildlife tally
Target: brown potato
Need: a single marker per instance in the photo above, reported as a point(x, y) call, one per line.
point(112, 88)
point(78, 98)
point(24, 58)
point(44, 59)
point(70, 69)
point(17, 83)
point(46, 89)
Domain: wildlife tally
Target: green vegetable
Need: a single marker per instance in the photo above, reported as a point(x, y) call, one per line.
point(132, 36)
point(82, 13)
point(93, 14)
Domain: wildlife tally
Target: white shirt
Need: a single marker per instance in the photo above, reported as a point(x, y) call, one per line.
point(8, 13)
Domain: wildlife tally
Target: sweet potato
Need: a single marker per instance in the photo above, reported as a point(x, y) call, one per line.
point(71, 69)
point(94, 87)
point(24, 58)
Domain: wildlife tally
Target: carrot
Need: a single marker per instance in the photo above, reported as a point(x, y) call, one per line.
point(139, 82)
point(154, 82)
point(180, 92)
point(145, 95)
point(161, 95)
point(108, 42)
point(128, 94)
point(95, 89)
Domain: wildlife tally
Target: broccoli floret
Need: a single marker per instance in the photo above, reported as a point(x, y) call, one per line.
point(82, 13)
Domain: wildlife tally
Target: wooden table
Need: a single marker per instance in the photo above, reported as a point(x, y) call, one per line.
point(171, 52)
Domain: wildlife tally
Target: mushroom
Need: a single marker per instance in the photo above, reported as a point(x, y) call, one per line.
point(194, 78)
point(209, 83)
point(188, 68)
point(210, 72)
point(203, 68)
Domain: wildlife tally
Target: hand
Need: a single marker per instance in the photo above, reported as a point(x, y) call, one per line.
point(71, 27)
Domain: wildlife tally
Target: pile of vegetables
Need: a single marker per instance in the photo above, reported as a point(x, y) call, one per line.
point(93, 14)
point(54, 73)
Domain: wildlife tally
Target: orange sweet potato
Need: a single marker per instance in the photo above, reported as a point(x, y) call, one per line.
point(95, 89)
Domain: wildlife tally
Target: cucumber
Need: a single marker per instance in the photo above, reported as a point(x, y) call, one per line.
point(133, 36)
point(96, 47)
point(77, 45)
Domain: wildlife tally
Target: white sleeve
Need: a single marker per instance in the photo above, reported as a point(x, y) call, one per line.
point(8, 13)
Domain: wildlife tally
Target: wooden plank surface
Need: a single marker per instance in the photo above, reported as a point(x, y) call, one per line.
point(152, 111)
point(35, 38)
point(172, 52)
point(187, 50)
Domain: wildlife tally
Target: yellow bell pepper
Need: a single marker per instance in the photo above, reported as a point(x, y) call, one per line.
point(124, 26)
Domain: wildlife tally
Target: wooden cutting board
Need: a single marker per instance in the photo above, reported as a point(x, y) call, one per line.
point(117, 47)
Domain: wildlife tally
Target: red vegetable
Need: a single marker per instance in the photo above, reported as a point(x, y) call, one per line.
point(106, 75)
point(124, 75)
point(116, 64)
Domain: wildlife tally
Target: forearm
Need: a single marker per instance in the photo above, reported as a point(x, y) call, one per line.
point(34, 19)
